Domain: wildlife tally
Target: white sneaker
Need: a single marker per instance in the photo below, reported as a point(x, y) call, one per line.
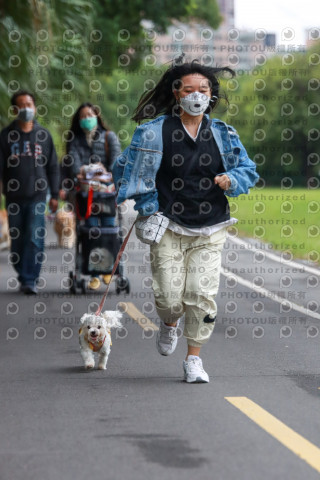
point(193, 370)
point(167, 338)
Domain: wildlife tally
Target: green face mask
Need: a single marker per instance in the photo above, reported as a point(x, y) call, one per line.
point(88, 123)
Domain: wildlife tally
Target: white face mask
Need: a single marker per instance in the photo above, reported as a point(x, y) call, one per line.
point(195, 103)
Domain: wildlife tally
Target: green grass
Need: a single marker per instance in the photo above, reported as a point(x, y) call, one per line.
point(287, 219)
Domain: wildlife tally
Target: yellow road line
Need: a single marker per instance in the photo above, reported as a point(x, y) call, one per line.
point(285, 435)
point(139, 317)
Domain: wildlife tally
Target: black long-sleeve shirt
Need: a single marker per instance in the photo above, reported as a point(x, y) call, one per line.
point(28, 163)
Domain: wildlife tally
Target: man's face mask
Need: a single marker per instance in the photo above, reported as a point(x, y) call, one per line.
point(195, 103)
point(26, 114)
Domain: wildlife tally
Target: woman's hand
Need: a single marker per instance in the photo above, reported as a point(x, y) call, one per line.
point(62, 194)
point(223, 181)
point(53, 204)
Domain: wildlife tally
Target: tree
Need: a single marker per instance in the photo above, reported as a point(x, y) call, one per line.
point(43, 50)
point(62, 49)
point(119, 25)
point(276, 111)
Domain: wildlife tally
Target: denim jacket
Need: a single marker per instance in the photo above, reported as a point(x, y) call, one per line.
point(135, 170)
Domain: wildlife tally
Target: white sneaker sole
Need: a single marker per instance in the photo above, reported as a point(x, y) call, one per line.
point(162, 352)
point(197, 380)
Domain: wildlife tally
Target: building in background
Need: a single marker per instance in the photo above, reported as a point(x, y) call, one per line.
point(227, 12)
point(312, 36)
point(240, 49)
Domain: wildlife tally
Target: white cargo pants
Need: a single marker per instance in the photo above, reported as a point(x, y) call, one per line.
point(186, 274)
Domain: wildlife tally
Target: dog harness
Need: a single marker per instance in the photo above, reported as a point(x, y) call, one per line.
point(95, 347)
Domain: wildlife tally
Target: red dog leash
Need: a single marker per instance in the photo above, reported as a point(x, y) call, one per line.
point(116, 263)
point(89, 206)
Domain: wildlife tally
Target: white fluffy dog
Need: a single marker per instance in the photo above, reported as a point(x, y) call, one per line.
point(94, 336)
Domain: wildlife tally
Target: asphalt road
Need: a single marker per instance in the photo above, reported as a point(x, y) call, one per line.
point(138, 419)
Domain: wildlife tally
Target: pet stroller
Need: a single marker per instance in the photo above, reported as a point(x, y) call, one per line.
point(96, 246)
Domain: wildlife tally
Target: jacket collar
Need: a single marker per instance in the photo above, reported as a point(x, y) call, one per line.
point(15, 126)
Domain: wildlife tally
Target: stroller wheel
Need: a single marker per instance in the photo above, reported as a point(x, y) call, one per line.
point(122, 284)
point(72, 287)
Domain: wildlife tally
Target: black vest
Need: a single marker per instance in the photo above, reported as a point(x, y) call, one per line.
point(198, 201)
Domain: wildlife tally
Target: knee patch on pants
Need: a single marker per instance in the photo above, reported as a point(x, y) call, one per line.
point(209, 319)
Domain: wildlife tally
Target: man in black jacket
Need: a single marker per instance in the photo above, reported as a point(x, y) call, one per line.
point(28, 166)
